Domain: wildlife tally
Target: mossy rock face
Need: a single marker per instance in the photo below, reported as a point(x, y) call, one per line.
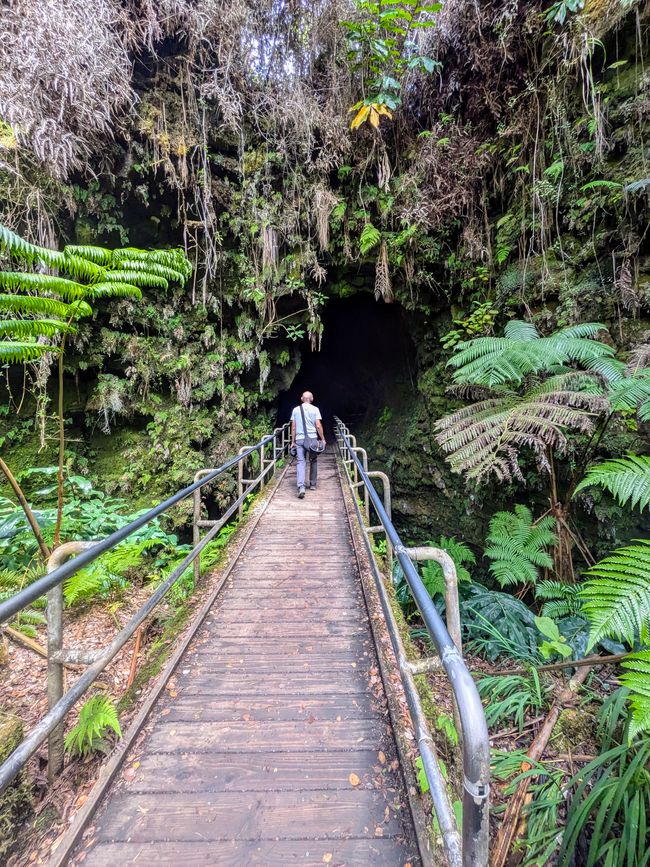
point(15, 803)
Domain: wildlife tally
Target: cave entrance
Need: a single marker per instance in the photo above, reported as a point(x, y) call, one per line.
point(367, 361)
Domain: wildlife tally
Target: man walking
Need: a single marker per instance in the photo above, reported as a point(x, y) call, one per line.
point(307, 431)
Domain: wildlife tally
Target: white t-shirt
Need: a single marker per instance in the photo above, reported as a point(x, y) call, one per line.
point(312, 415)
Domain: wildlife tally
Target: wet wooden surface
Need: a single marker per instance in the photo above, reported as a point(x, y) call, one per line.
point(272, 744)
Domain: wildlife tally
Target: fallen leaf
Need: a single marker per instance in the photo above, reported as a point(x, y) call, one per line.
point(354, 780)
point(327, 857)
point(381, 757)
point(379, 832)
point(246, 717)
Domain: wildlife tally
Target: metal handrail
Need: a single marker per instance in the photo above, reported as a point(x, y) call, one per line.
point(474, 731)
point(61, 703)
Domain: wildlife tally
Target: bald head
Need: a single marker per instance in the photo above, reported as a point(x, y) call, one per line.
point(307, 397)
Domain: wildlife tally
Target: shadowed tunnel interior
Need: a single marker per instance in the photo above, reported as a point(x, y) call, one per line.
point(367, 359)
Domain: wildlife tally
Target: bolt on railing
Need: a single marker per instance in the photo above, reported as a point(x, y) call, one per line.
point(74, 556)
point(469, 849)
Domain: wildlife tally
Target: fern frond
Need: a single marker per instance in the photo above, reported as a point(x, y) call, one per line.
point(16, 281)
point(628, 479)
point(19, 248)
point(98, 255)
point(633, 393)
point(616, 598)
point(370, 238)
point(561, 600)
point(96, 717)
point(517, 329)
point(516, 546)
point(152, 266)
point(637, 680)
point(22, 353)
point(21, 328)
point(137, 278)
point(44, 306)
point(114, 290)
point(81, 585)
point(83, 269)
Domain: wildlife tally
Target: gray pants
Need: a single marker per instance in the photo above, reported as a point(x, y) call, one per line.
point(304, 455)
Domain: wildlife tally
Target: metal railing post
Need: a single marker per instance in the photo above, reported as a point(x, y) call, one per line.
point(240, 482)
point(196, 530)
point(452, 605)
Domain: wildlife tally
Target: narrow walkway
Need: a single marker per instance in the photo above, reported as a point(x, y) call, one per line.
point(272, 745)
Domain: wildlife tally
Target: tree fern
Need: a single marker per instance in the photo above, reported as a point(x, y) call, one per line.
point(151, 267)
point(486, 437)
point(69, 290)
point(616, 596)
point(98, 716)
point(98, 255)
point(633, 393)
point(115, 290)
point(517, 546)
point(494, 361)
point(628, 479)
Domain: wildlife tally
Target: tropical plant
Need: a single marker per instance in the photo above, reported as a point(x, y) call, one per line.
point(497, 624)
point(556, 643)
point(52, 304)
point(517, 545)
point(382, 47)
point(511, 697)
point(432, 574)
point(627, 479)
point(97, 718)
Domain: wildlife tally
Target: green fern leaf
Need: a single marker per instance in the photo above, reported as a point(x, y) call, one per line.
point(96, 718)
point(616, 598)
point(137, 278)
point(516, 546)
point(370, 238)
point(114, 290)
point(44, 306)
point(21, 328)
point(98, 255)
point(22, 353)
point(637, 680)
point(628, 479)
point(16, 281)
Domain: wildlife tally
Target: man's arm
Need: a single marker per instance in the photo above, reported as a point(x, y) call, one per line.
point(319, 430)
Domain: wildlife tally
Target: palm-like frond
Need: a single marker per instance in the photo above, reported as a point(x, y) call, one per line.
point(494, 361)
point(628, 479)
point(21, 353)
point(637, 680)
point(137, 278)
point(616, 598)
point(69, 290)
point(36, 304)
point(114, 290)
point(21, 328)
point(517, 546)
point(633, 393)
point(486, 437)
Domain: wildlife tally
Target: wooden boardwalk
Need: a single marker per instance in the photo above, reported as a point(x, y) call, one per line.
point(273, 744)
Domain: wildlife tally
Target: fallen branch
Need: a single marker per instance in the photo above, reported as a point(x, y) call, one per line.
point(557, 666)
point(134, 658)
point(25, 641)
point(512, 827)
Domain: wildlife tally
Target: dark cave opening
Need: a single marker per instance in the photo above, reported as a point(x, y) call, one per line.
point(367, 361)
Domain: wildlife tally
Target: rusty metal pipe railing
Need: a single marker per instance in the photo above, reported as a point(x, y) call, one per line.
point(62, 567)
point(475, 738)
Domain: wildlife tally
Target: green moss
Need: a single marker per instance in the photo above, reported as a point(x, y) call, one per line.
point(15, 802)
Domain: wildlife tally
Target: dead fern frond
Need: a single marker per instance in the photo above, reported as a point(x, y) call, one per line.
point(383, 285)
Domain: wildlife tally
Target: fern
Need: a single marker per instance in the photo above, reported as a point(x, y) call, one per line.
point(517, 546)
point(98, 255)
point(633, 393)
point(115, 290)
point(637, 680)
point(432, 574)
point(22, 353)
point(137, 278)
point(154, 268)
point(370, 238)
point(628, 479)
point(560, 600)
point(495, 361)
point(16, 281)
point(45, 306)
point(616, 598)
point(21, 328)
point(486, 437)
point(98, 716)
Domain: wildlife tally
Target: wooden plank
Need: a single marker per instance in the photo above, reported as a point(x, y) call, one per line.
point(285, 683)
point(296, 735)
point(279, 646)
point(255, 771)
point(265, 853)
point(179, 816)
point(188, 707)
point(209, 668)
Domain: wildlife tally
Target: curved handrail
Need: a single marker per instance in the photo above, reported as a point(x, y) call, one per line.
point(475, 737)
point(52, 584)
